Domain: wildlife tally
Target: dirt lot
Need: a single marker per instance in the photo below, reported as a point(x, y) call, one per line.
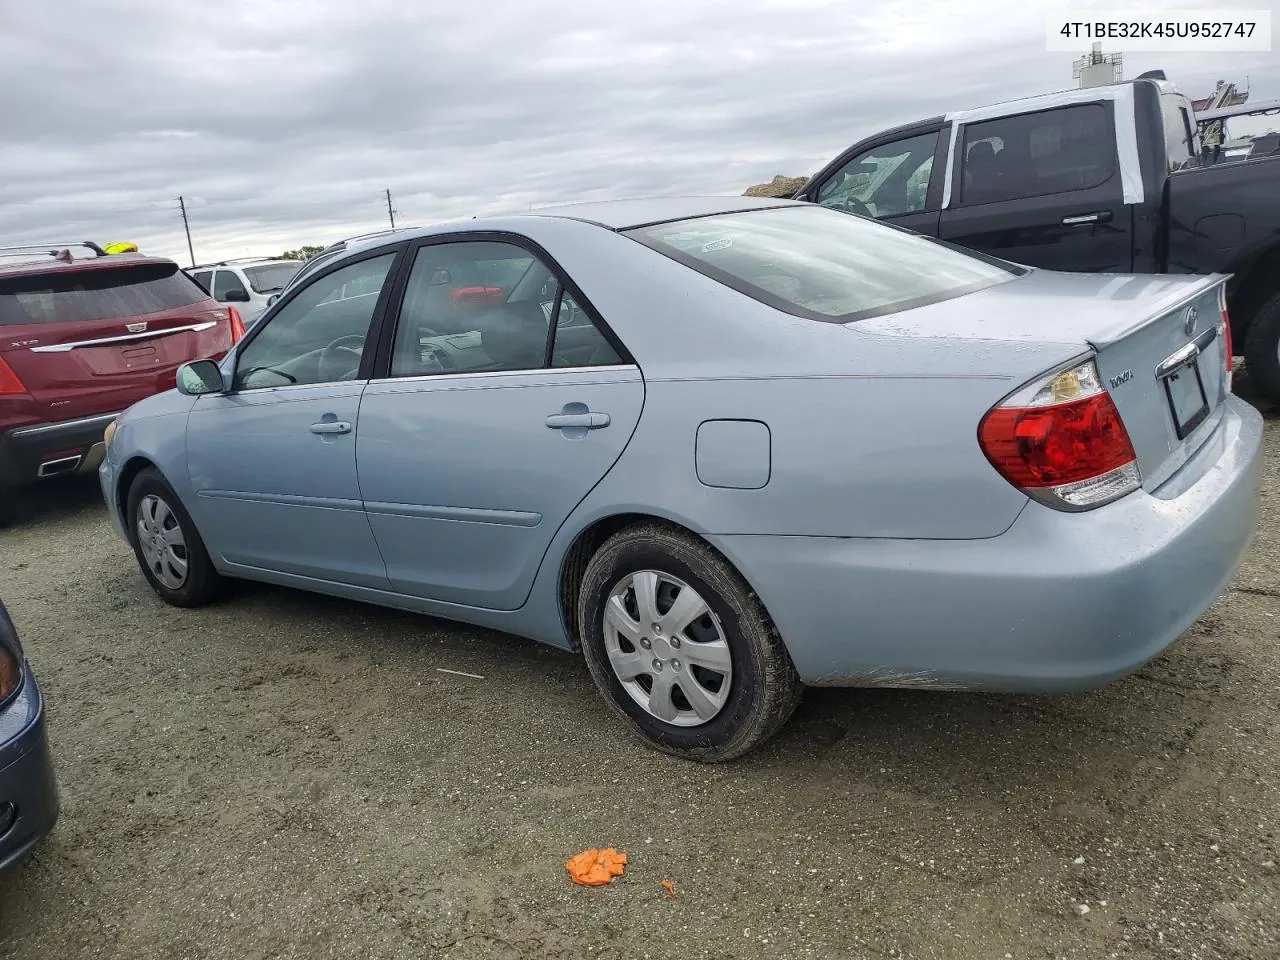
point(290, 776)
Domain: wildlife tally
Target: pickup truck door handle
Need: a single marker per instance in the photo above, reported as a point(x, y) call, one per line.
point(589, 421)
point(331, 426)
point(1102, 216)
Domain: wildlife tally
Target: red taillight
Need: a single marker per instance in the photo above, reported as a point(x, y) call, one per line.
point(1062, 441)
point(9, 382)
point(1228, 347)
point(237, 325)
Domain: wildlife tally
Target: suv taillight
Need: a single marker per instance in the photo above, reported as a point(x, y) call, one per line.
point(237, 325)
point(9, 383)
point(1061, 441)
point(1224, 331)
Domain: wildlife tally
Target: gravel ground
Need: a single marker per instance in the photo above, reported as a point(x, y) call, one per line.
point(285, 775)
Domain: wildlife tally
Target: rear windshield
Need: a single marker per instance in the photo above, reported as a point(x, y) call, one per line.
point(100, 293)
point(270, 277)
point(822, 264)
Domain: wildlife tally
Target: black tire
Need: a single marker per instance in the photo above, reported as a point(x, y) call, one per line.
point(202, 583)
point(1262, 350)
point(764, 689)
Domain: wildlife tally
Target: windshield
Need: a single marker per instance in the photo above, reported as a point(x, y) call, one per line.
point(824, 265)
point(271, 277)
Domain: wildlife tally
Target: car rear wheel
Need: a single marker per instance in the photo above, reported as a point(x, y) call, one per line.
point(1262, 350)
point(168, 546)
point(680, 646)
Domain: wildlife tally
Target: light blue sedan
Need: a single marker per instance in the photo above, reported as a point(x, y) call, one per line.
point(724, 447)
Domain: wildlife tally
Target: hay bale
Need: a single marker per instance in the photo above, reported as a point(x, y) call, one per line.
point(779, 186)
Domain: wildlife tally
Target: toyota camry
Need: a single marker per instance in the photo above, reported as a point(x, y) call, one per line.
point(723, 447)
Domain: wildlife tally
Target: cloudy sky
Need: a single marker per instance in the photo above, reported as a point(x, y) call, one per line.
point(281, 121)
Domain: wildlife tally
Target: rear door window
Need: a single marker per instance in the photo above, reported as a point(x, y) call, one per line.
point(484, 306)
point(462, 312)
point(1035, 154)
point(96, 293)
point(578, 341)
point(202, 277)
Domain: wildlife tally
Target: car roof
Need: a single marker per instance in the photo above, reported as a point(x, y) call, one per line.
point(610, 214)
point(242, 262)
point(32, 267)
point(629, 214)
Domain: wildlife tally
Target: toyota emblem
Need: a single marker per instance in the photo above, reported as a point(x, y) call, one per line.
point(1189, 323)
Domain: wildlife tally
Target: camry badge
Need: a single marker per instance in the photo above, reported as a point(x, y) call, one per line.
point(1189, 322)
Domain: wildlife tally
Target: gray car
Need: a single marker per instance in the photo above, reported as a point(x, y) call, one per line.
point(723, 447)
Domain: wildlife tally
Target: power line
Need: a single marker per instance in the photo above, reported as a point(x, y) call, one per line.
point(182, 204)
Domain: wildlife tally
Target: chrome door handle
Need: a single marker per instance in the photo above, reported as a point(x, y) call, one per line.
point(1085, 219)
point(331, 426)
point(589, 421)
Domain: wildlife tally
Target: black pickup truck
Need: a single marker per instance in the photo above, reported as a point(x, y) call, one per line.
point(1103, 179)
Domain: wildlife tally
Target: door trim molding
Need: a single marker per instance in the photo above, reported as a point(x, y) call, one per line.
point(506, 518)
point(286, 499)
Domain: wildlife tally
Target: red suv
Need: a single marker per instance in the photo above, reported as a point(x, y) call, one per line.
point(83, 338)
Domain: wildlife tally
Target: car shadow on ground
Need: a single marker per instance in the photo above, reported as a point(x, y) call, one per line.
point(1126, 739)
point(59, 498)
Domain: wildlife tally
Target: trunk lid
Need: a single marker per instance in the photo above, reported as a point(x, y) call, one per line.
point(97, 337)
point(1157, 340)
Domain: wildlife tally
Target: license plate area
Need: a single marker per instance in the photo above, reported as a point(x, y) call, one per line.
point(1188, 401)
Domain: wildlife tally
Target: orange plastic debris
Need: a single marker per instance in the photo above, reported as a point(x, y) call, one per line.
point(670, 889)
point(595, 868)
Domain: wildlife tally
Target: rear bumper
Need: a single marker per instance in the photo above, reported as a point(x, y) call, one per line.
point(1059, 602)
point(31, 453)
point(28, 789)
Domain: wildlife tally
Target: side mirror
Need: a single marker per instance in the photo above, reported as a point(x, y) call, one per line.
point(239, 295)
point(271, 300)
point(199, 377)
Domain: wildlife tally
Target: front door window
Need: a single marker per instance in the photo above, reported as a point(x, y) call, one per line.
point(319, 335)
point(886, 181)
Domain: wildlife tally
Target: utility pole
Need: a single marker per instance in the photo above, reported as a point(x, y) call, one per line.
point(390, 210)
point(182, 204)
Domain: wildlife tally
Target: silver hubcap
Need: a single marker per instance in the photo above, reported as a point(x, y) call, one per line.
point(163, 546)
point(667, 648)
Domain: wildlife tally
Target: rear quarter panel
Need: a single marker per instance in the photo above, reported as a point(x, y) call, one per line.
point(848, 457)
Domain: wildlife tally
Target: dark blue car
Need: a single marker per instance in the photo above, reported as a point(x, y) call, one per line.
point(28, 791)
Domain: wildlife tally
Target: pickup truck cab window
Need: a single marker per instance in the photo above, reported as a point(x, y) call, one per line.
point(885, 181)
point(1034, 154)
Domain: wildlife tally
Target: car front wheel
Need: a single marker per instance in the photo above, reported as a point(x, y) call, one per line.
point(168, 546)
point(680, 646)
